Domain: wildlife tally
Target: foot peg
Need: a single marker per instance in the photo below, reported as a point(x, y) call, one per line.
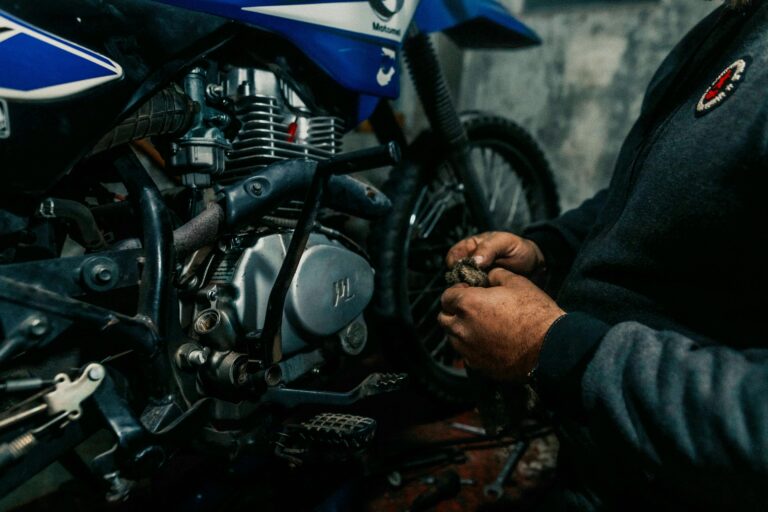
point(338, 430)
point(374, 384)
point(338, 435)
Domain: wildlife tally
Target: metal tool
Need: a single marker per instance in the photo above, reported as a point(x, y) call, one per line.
point(470, 429)
point(445, 486)
point(496, 489)
point(430, 480)
point(62, 405)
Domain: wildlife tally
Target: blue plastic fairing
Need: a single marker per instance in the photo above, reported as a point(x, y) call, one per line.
point(35, 65)
point(475, 24)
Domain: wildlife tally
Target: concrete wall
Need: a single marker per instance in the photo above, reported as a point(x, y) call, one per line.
point(580, 92)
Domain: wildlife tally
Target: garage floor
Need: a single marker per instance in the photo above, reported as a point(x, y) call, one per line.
point(478, 463)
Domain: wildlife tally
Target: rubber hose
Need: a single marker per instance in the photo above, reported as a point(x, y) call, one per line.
point(169, 112)
point(200, 231)
point(80, 215)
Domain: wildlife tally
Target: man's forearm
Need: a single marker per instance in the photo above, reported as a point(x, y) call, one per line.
point(694, 417)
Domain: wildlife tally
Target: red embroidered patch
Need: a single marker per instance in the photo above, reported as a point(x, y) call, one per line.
point(722, 87)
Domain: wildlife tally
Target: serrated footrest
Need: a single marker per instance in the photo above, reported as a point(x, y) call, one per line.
point(337, 430)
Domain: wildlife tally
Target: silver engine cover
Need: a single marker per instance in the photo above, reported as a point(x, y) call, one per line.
point(331, 288)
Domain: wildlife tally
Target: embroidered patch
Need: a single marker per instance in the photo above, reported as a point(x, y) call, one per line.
point(723, 87)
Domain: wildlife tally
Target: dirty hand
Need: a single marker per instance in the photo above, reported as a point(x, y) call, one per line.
point(501, 249)
point(499, 330)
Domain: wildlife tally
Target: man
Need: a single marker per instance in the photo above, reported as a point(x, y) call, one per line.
point(653, 360)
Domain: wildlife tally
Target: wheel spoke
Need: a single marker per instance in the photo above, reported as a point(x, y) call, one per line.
point(429, 210)
point(426, 288)
point(496, 189)
point(513, 210)
point(429, 290)
point(439, 348)
point(428, 315)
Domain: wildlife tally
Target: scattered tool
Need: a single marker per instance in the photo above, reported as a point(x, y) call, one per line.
point(62, 406)
point(449, 456)
point(496, 489)
point(470, 429)
point(431, 480)
point(446, 486)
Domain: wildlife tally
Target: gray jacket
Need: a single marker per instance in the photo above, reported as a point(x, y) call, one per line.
point(658, 376)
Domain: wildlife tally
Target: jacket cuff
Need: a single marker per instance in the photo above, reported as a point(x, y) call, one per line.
point(568, 347)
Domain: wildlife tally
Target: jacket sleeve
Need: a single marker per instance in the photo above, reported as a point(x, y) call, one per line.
point(696, 417)
point(560, 239)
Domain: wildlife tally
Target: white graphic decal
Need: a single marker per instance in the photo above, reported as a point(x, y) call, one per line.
point(359, 17)
point(387, 70)
point(59, 90)
point(5, 123)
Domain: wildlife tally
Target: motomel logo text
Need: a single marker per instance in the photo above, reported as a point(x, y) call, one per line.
point(380, 27)
point(5, 123)
point(342, 292)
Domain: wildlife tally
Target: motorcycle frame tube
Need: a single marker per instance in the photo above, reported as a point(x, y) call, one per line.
point(357, 161)
point(157, 234)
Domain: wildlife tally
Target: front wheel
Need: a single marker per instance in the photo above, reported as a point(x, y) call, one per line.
point(429, 216)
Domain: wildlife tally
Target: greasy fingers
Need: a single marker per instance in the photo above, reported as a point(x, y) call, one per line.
point(451, 324)
point(461, 250)
point(483, 248)
point(501, 277)
point(492, 246)
point(501, 249)
point(451, 298)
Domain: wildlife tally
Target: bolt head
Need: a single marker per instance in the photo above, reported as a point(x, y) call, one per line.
point(102, 274)
point(256, 188)
point(96, 373)
point(38, 326)
point(197, 358)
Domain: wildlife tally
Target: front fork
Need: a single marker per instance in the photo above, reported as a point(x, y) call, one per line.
point(432, 88)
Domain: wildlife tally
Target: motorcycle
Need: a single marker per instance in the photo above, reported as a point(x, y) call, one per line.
point(172, 266)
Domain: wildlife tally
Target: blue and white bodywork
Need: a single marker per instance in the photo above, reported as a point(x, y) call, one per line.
point(40, 66)
point(72, 70)
point(355, 42)
point(358, 42)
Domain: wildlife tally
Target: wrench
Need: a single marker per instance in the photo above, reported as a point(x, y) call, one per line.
point(496, 489)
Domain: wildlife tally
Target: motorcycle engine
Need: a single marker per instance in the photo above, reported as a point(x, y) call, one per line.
point(334, 281)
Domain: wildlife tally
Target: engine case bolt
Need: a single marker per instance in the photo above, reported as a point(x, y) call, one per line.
point(354, 337)
point(256, 188)
point(191, 356)
point(102, 274)
point(198, 357)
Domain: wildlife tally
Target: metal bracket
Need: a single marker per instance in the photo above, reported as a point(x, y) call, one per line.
point(374, 384)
